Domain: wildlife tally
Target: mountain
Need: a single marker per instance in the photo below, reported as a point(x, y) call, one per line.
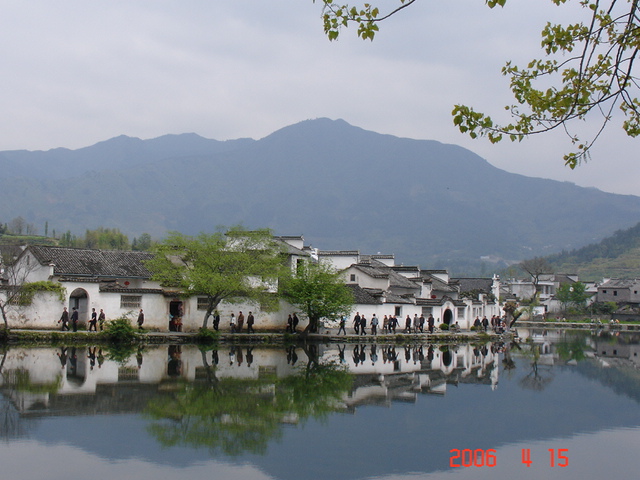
point(340, 186)
point(617, 256)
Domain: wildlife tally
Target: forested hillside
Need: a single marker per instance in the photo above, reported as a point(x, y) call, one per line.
point(614, 256)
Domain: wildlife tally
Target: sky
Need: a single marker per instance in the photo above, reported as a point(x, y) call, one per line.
point(79, 72)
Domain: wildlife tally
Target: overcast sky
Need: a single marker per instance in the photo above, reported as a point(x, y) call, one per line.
point(78, 72)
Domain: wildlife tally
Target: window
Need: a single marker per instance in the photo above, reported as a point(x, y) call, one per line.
point(615, 293)
point(203, 303)
point(352, 277)
point(604, 291)
point(398, 311)
point(130, 301)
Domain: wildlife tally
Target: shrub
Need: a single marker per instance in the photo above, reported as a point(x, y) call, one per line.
point(120, 330)
point(207, 336)
point(444, 326)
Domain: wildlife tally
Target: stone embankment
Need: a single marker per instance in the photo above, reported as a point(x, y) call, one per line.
point(568, 325)
point(18, 336)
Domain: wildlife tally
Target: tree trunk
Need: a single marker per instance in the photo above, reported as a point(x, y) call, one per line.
point(213, 304)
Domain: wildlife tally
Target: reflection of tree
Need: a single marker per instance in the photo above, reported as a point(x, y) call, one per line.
point(236, 415)
point(538, 378)
point(572, 349)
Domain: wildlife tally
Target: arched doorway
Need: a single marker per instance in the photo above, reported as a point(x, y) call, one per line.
point(447, 317)
point(79, 299)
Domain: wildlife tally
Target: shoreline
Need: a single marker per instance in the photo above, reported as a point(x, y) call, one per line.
point(148, 337)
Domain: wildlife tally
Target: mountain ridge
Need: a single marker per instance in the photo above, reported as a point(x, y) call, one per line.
point(341, 186)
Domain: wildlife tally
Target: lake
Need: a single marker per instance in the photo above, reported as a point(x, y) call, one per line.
point(553, 405)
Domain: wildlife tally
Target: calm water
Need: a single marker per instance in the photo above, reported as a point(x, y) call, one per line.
point(257, 413)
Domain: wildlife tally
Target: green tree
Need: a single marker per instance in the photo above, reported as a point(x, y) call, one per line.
point(142, 243)
point(236, 265)
point(563, 295)
point(587, 71)
point(319, 290)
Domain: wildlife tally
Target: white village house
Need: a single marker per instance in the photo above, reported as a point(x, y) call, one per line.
point(119, 283)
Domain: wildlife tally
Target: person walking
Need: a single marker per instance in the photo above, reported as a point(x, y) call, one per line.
point(74, 319)
point(343, 323)
point(240, 322)
point(101, 319)
point(140, 319)
point(363, 324)
point(250, 322)
point(216, 320)
point(356, 323)
point(64, 319)
point(232, 323)
point(374, 325)
point(93, 323)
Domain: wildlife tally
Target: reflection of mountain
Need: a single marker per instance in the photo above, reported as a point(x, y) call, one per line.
point(622, 376)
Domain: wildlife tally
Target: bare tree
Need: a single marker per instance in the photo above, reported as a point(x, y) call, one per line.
point(536, 267)
point(16, 291)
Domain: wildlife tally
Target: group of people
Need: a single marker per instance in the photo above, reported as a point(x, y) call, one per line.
point(95, 320)
point(390, 324)
point(498, 324)
point(236, 324)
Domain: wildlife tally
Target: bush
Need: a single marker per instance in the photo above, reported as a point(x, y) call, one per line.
point(120, 330)
point(444, 326)
point(207, 336)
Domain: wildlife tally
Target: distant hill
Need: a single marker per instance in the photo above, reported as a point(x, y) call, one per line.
point(614, 256)
point(342, 187)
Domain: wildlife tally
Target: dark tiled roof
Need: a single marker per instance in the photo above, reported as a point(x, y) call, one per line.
point(469, 284)
point(619, 283)
point(438, 285)
point(377, 269)
point(363, 297)
point(92, 263)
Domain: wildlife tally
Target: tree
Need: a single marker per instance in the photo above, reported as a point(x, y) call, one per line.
point(231, 266)
point(588, 70)
point(142, 243)
point(563, 295)
point(319, 290)
point(535, 267)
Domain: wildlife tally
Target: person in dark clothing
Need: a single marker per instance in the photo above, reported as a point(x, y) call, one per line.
point(216, 320)
point(250, 321)
point(363, 324)
point(140, 319)
point(343, 324)
point(295, 322)
point(93, 323)
point(64, 319)
point(431, 323)
point(74, 319)
point(356, 323)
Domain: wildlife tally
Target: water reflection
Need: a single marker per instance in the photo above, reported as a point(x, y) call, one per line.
point(246, 405)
